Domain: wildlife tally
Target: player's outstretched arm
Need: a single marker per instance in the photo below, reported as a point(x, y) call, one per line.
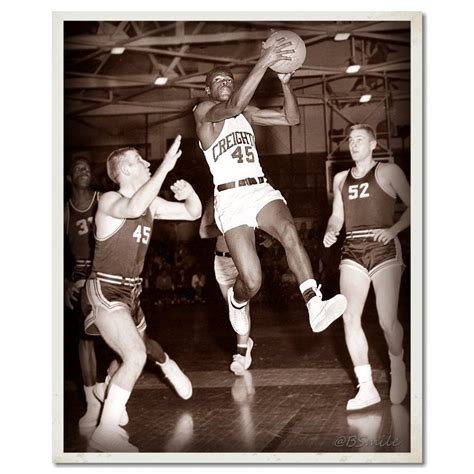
point(239, 100)
point(189, 210)
point(289, 114)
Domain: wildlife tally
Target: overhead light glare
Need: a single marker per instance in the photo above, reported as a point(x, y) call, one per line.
point(365, 98)
point(117, 50)
point(342, 36)
point(353, 68)
point(161, 81)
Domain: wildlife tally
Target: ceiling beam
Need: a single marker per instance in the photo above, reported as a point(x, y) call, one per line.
point(183, 105)
point(384, 26)
point(91, 81)
point(183, 49)
point(104, 41)
point(382, 37)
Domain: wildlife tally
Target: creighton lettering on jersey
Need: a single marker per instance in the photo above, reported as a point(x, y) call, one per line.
point(79, 229)
point(233, 154)
point(366, 204)
point(232, 139)
point(123, 252)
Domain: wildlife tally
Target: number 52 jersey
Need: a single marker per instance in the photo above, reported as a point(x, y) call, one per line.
point(366, 204)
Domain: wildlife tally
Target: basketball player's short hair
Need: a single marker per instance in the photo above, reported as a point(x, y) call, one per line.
point(76, 159)
point(366, 127)
point(114, 160)
point(218, 70)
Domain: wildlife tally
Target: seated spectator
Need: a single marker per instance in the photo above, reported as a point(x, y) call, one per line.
point(303, 233)
point(198, 282)
point(184, 291)
point(165, 287)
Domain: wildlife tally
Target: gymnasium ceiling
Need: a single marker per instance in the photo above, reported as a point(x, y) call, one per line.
point(100, 84)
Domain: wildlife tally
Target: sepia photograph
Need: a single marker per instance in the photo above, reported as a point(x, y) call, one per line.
point(238, 216)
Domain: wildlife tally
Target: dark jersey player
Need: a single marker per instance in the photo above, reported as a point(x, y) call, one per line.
point(124, 223)
point(364, 198)
point(79, 214)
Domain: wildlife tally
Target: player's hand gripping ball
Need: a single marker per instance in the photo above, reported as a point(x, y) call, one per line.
point(297, 58)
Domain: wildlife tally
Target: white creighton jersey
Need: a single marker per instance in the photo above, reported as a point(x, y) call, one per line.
point(233, 155)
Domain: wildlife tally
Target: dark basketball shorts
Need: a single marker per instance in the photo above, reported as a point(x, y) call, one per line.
point(369, 256)
point(81, 272)
point(77, 314)
point(110, 297)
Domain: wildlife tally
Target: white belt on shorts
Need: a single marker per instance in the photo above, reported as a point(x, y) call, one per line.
point(118, 280)
point(364, 233)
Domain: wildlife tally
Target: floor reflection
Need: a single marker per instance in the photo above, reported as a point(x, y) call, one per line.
point(243, 392)
point(182, 434)
point(367, 435)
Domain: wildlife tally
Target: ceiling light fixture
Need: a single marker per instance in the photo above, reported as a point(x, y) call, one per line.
point(161, 81)
point(341, 36)
point(117, 50)
point(352, 68)
point(365, 98)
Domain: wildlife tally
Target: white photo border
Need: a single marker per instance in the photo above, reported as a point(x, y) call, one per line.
point(416, 163)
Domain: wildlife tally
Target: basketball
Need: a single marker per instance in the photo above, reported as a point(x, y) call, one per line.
point(297, 58)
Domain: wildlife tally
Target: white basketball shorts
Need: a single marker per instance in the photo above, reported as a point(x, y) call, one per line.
point(240, 206)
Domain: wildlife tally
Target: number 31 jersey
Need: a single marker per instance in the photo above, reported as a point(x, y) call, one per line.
point(79, 224)
point(233, 154)
point(366, 204)
point(123, 252)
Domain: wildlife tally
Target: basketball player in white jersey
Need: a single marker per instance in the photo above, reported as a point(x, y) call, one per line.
point(364, 198)
point(243, 198)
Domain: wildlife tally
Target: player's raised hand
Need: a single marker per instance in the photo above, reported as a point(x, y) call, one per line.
point(172, 154)
point(280, 49)
point(181, 189)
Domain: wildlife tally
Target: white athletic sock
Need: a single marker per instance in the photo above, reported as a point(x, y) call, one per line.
point(363, 373)
point(307, 289)
point(310, 283)
point(90, 397)
point(396, 360)
point(235, 304)
point(114, 406)
point(242, 348)
point(163, 363)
